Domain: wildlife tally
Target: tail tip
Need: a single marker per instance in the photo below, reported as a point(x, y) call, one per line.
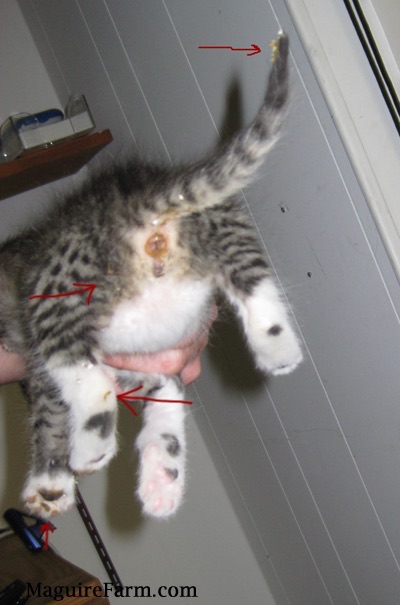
point(279, 46)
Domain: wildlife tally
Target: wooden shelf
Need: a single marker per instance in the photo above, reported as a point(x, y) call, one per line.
point(37, 168)
point(45, 571)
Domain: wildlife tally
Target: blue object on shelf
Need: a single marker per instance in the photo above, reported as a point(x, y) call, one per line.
point(29, 534)
point(33, 120)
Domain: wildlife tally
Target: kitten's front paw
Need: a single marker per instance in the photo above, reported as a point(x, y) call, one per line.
point(46, 496)
point(161, 481)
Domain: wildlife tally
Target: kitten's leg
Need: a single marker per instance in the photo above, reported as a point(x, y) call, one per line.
point(267, 326)
point(90, 395)
point(162, 451)
point(50, 486)
point(244, 275)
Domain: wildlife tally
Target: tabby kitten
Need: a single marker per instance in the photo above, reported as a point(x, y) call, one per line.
point(157, 243)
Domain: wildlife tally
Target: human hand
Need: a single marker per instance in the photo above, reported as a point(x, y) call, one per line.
point(12, 367)
point(183, 360)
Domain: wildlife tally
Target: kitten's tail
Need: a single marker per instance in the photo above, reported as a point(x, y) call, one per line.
point(223, 174)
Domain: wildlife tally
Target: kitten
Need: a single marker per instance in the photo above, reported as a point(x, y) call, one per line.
point(157, 243)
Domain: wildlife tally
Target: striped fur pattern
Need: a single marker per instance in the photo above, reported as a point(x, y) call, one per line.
point(157, 243)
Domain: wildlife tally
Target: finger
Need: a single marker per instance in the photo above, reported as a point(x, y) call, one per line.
point(191, 372)
point(213, 312)
point(169, 362)
point(165, 362)
point(12, 367)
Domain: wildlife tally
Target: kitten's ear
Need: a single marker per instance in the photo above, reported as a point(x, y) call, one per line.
point(225, 172)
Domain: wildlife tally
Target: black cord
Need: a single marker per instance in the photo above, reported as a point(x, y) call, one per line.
point(97, 541)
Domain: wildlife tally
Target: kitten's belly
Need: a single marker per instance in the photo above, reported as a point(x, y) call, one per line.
point(166, 312)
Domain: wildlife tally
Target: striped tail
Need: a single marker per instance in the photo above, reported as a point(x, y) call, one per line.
point(230, 168)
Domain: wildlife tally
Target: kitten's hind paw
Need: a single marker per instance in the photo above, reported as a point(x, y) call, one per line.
point(275, 344)
point(161, 484)
point(278, 355)
point(278, 352)
point(46, 496)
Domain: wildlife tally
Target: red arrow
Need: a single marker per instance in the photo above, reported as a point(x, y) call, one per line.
point(126, 397)
point(44, 529)
point(254, 50)
point(123, 400)
point(83, 288)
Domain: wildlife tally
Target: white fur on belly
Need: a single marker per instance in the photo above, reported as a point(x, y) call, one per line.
point(165, 312)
